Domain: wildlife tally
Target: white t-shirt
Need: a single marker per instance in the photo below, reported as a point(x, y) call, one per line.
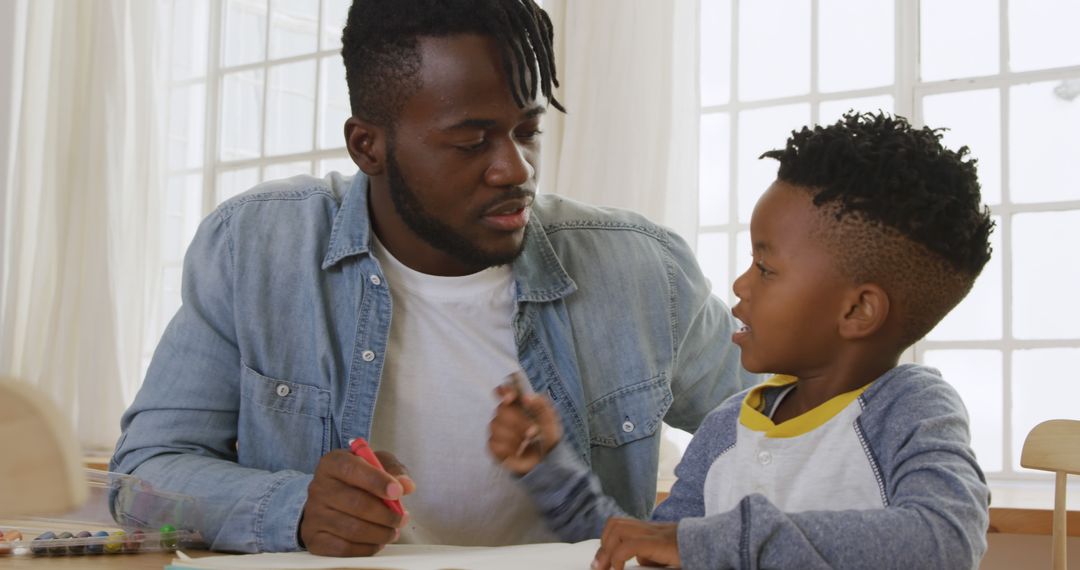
point(451, 343)
point(816, 461)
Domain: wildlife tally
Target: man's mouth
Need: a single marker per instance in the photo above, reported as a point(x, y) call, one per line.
point(511, 215)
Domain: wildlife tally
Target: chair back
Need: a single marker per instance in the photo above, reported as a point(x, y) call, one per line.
point(1054, 446)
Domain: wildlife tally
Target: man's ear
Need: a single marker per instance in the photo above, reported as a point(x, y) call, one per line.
point(367, 145)
point(866, 309)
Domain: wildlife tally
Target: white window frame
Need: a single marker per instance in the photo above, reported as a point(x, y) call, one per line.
point(908, 93)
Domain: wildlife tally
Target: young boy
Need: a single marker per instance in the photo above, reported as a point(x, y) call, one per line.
point(871, 233)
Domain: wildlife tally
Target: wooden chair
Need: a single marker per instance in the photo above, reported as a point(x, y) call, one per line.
point(40, 465)
point(1055, 446)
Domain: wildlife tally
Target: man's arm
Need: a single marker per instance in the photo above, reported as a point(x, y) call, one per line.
point(707, 368)
point(180, 434)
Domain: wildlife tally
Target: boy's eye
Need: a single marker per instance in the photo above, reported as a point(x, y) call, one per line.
point(762, 269)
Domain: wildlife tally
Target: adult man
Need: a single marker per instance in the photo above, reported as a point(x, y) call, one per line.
point(284, 349)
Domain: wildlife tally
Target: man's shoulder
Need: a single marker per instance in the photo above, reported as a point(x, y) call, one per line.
point(286, 191)
point(559, 214)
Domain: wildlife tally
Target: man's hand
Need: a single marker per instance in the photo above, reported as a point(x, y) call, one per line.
point(654, 544)
point(345, 514)
point(524, 430)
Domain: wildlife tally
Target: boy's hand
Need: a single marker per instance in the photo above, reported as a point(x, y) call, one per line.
point(524, 430)
point(654, 544)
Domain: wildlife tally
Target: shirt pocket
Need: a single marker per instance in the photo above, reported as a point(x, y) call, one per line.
point(630, 413)
point(282, 424)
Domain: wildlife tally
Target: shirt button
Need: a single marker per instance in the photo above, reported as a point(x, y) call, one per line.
point(367, 355)
point(764, 458)
point(375, 280)
point(282, 390)
point(628, 426)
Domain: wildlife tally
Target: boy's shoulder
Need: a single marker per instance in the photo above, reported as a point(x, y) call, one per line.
point(911, 385)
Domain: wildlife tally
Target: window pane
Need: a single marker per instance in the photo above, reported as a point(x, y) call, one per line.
point(283, 170)
point(715, 52)
point(714, 168)
point(182, 214)
point(232, 182)
point(335, 103)
point(241, 114)
point(1046, 276)
point(942, 33)
point(774, 52)
point(831, 111)
point(343, 165)
point(190, 26)
point(973, 119)
point(335, 13)
point(1044, 144)
point(245, 31)
point(979, 315)
point(186, 118)
point(761, 130)
point(1044, 387)
point(712, 254)
point(293, 27)
point(1043, 34)
point(855, 44)
point(290, 111)
point(977, 376)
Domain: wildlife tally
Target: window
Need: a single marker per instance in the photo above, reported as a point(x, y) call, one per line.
point(1004, 76)
point(257, 92)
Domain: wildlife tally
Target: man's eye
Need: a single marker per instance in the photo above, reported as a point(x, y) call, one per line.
point(472, 146)
point(529, 135)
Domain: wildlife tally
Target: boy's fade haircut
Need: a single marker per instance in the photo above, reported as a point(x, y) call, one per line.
point(898, 209)
point(381, 53)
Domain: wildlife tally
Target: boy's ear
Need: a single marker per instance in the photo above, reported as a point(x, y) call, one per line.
point(366, 143)
point(865, 311)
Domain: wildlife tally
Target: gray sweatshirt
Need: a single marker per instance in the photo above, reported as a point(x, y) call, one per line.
point(914, 431)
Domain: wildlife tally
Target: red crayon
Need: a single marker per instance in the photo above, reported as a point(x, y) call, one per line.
point(361, 449)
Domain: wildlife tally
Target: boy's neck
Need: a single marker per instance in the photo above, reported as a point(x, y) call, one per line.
point(844, 375)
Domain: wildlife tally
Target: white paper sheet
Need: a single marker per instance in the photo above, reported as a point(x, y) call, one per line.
point(553, 556)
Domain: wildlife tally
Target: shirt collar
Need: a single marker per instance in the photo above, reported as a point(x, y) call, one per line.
point(351, 234)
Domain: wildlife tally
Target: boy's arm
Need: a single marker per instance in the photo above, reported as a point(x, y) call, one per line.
point(937, 511)
point(180, 433)
point(575, 507)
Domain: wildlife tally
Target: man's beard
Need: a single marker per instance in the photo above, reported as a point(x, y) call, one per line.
point(435, 232)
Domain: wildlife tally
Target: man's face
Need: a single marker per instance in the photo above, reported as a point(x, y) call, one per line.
point(461, 162)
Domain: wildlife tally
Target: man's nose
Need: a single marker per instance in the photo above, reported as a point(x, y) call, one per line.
point(510, 166)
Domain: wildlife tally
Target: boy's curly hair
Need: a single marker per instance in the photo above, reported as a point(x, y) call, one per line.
point(899, 209)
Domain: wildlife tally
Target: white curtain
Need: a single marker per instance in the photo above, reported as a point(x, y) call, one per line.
point(628, 70)
point(629, 75)
point(80, 213)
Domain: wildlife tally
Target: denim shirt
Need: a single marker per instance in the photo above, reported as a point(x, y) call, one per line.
point(276, 354)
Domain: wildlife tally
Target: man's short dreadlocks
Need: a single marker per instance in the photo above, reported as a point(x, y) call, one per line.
point(382, 58)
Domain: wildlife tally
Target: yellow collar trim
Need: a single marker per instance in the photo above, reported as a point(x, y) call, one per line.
point(751, 417)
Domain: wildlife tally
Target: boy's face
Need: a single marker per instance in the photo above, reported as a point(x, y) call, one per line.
point(791, 297)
